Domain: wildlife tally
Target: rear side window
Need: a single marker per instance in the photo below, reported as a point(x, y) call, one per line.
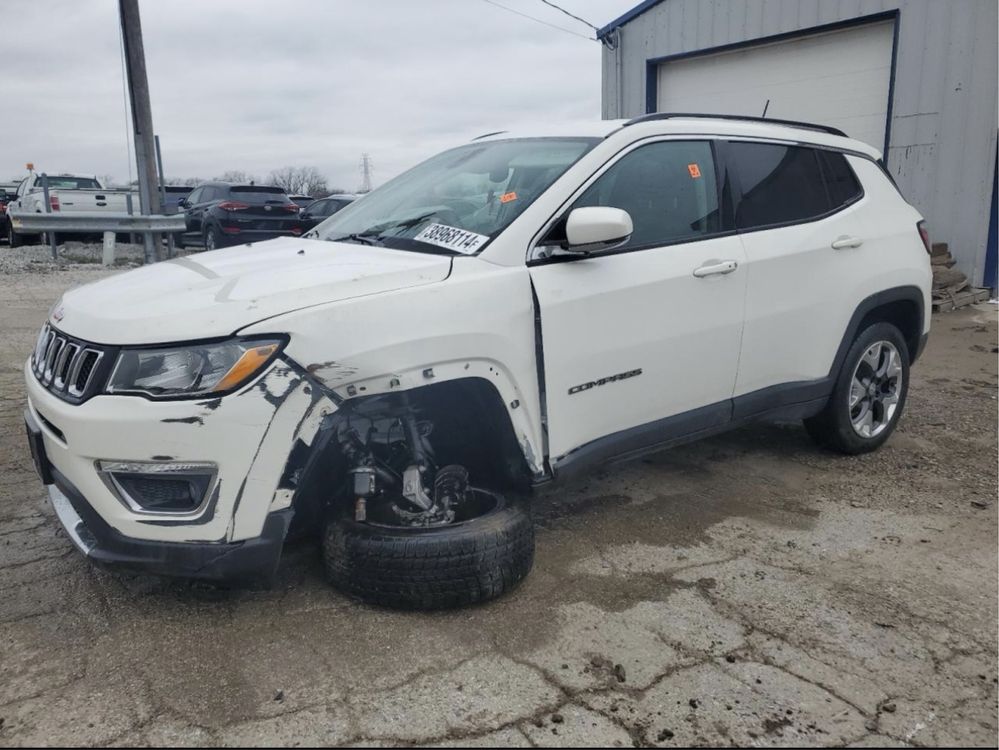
point(780, 184)
point(668, 188)
point(842, 183)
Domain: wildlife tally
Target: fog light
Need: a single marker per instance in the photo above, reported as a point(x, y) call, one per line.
point(177, 488)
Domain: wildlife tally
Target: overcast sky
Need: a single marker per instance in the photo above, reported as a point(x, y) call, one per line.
point(261, 84)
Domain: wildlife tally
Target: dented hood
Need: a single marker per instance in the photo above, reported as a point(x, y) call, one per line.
point(216, 293)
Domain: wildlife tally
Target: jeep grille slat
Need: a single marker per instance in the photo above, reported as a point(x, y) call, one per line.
point(66, 366)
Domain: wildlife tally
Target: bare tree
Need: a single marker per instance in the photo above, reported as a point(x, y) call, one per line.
point(237, 176)
point(300, 181)
point(185, 181)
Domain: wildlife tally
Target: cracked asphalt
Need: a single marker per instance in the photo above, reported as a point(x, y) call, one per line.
point(746, 590)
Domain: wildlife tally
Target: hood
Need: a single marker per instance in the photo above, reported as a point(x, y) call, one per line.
point(217, 293)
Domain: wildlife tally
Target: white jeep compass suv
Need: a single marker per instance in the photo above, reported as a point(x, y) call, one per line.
point(504, 314)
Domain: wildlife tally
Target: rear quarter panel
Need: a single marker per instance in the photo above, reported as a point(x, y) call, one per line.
point(895, 253)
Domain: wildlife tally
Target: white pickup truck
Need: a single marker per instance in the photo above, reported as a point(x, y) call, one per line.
point(505, 314)
point(67, 193)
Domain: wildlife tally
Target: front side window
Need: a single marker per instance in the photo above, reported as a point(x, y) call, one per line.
point(668, 188)
point(780, 184)
point(457, 201)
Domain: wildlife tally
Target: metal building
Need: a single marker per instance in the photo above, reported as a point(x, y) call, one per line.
point(915, 78)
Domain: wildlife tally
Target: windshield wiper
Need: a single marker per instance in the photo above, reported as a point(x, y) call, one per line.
point(362, 237)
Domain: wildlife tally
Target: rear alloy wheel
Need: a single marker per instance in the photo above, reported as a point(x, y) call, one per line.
point(869, 394)
point(213, 240)
point(486, 550)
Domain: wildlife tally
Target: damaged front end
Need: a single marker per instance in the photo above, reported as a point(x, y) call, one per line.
point(412, 459)
point(147, 481)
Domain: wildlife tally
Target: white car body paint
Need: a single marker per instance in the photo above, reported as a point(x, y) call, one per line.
point(363, 320)
point(217, 293)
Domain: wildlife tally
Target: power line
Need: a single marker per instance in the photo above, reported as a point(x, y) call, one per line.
point(538, 20)
point(560, 9)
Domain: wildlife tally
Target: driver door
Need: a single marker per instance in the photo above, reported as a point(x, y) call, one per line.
point(641, 343)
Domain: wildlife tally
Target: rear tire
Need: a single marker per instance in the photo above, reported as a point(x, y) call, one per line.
point(869, 394)
point(431, 568)
point(16, 239)
point(213, 239)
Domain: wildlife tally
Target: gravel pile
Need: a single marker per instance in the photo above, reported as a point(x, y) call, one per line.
point(38, 258)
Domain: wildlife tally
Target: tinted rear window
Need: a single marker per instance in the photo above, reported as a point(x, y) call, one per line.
point(72, 183)
point(258, 194)
point(780, 184)
point(842, 183)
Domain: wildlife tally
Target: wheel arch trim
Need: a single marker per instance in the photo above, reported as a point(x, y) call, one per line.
point(908, 294)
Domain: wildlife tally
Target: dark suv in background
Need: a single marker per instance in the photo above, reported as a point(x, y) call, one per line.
point(324, 208)
point(218, 214)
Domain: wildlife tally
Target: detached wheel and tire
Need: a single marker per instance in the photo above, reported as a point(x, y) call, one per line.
point(486, 551)
point(869, 394)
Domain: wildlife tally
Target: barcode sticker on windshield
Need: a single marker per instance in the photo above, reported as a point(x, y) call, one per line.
point(459, 240)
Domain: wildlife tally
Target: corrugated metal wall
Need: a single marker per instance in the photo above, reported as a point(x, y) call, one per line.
point(944, 117)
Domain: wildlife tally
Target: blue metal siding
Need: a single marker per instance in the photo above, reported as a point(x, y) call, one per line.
point(943, 109)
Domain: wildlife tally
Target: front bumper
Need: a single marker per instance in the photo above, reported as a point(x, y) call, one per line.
point(250, 560)
point(248, 436)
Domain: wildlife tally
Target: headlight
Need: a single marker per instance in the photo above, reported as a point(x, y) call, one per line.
point(193, 371)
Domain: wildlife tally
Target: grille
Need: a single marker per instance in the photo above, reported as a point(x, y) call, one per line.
point(161, 493)
point(65, 366)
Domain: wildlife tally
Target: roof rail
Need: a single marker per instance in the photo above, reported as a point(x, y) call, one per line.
point(747, 118)
point(487, 135)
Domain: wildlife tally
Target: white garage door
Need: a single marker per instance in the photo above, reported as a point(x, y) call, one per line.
point(839, 78)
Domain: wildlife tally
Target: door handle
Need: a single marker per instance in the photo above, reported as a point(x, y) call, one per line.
point(843, 242)
point(715, 268)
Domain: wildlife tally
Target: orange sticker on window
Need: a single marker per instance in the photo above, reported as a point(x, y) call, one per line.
point(507, 197)
point(695, 171)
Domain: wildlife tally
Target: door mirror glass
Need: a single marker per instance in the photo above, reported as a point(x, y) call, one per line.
point(593, 229)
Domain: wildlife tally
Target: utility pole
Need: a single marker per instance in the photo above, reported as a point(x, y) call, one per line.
point(142, 118)
point(365, 173)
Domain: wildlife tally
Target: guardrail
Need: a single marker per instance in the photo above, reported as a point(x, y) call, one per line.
point(95, 221)
point(106, 223)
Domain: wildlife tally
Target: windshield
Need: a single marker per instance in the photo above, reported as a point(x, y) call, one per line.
point(457, 201)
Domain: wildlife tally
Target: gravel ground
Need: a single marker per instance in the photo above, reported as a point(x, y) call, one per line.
point(747, 590)
point(38, 258)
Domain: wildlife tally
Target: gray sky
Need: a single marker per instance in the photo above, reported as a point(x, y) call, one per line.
point(260, 84)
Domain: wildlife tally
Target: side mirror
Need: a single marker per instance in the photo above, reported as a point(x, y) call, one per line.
point(594, 229)
point(184, 203)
